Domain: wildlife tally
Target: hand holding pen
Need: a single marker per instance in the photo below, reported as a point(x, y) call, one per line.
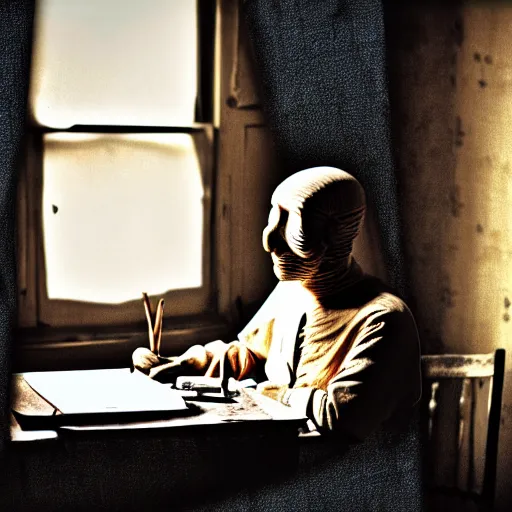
point(150, 362)
point(144, 359)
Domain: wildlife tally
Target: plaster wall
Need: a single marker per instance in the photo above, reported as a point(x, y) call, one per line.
point(450, 73)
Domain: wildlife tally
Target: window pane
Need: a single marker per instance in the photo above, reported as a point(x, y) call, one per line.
point(115, 62)
point(122, 214)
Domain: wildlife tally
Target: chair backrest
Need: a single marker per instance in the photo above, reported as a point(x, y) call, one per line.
point(469, 373)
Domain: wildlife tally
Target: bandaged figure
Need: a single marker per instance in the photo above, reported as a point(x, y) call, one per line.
point(330, 341)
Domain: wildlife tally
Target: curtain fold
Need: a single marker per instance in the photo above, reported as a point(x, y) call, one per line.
point(15, 45)
point(323, 86)
point(322, 70)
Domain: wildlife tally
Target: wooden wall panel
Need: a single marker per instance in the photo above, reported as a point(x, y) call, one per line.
point(247, 175)
point(260, 178)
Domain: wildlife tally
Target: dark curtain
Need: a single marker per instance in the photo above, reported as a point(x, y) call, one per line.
point(15, 37)
point(323, 83)
point(322, 68)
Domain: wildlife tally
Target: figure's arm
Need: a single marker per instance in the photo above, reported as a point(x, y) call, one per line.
point(240, 359)
point(235, 359)
point(215, 359)
point(382, 371)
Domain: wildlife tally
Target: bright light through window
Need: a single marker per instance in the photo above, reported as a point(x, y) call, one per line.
point(115, 62)
point(122, 214)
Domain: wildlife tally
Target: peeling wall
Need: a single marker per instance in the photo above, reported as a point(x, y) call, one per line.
point(450, 72)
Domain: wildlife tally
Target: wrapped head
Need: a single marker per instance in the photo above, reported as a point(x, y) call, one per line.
point(315, 216)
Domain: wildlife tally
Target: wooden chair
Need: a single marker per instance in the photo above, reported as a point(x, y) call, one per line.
point(450, 432)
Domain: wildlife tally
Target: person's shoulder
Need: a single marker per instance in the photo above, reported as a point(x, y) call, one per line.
point(388, 307)
point(390, 303)
point(371, 292)
point(379, 303)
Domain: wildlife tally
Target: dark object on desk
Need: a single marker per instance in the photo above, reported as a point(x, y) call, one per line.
point(203, 384)
point(200, 384)
point(467, 374)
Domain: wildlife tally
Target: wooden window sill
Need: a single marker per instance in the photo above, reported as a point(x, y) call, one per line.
point(49, 348)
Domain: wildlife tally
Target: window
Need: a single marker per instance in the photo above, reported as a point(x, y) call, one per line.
point(149, 168)
point(116, 196)
point(115, 63)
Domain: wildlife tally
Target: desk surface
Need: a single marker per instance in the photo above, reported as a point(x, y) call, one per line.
point(248, 409)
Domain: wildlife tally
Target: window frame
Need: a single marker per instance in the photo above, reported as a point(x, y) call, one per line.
point(42, 318)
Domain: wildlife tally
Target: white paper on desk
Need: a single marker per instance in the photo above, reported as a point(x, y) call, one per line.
point(104, 391)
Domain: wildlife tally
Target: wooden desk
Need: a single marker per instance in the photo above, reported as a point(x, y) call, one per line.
point(247, 411)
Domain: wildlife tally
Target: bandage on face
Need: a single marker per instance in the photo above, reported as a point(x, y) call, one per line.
point(315, 216)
